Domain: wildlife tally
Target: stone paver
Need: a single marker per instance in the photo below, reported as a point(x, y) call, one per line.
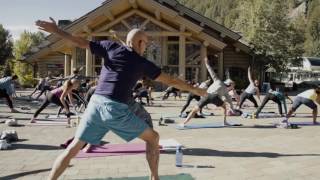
point(249, 152)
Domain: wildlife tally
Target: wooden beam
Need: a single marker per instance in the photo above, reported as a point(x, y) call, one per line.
point(109, 15)
point(214, 42)
point(87, 29)
point(158, 15)
point(124, 22)
point(116, 21)
point(143, 25)
point(191, 26)
point(149, 33)
point(169, 12)
point(206, 43)
point(155, 21)
point(133, 3)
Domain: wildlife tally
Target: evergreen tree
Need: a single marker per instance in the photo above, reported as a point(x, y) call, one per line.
point(312, 44)
point(5, 45)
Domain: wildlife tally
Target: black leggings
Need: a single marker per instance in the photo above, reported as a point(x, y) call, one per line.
point(189, 99)
point(245, 96)
point(50, 98)
point(167, 94)
point(268, 97)
point(142, 94)
point(3, 93)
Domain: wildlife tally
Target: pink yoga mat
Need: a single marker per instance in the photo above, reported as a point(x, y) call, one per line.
point(114, 150)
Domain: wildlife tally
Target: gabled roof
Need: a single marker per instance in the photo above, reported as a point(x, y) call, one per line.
point(210, 27)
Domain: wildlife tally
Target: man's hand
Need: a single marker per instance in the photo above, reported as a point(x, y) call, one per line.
point(50, 27)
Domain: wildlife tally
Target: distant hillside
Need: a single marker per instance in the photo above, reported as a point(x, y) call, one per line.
point(236, 14)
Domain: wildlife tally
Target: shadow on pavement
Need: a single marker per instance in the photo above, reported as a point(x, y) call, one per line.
point(211, 152)
point(19, 175)
point(34, 147)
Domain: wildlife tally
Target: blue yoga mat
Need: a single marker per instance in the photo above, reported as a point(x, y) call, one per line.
point(202, 126)
point(304, 123)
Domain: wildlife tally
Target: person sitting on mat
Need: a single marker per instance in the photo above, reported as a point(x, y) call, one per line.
point(6, 90)
point(191, 96)
point(108, 108)
point(250, 91)
point(57, 96)
point(308, 98)
point(276, 97)
point(216, 91)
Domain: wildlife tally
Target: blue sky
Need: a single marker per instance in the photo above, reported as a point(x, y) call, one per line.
point(20, 15)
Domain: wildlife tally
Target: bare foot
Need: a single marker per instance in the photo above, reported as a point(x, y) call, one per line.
point(32, 121)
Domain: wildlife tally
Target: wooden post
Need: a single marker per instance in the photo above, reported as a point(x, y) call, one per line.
point(164, 56)
point(89, 61)
point(203, 54)
point(220, 69)
point(182, 54)
point(67, 64)
point(73, 59)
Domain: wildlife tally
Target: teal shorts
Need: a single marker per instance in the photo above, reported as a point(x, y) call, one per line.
point(103, 115)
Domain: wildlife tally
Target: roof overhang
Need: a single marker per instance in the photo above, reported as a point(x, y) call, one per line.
point(177, 18)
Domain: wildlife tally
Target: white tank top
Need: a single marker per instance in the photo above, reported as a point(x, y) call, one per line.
point(251, 89)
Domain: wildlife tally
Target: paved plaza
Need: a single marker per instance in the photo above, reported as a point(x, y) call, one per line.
point(254, 151)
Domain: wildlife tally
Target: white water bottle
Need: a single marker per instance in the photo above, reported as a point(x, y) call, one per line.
point(179, 155)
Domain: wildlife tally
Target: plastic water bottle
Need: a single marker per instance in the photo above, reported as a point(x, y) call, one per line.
point(179, 155)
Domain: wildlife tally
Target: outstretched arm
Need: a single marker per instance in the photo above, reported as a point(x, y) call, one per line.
point(210, 70)
point(179, 84)
point(249, 75)
point(52, 27)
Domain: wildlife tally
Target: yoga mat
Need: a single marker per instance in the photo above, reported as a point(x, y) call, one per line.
point(48, 123)
point(114, 150)
point(169, 144)
point(126, 149)
point(303, 116)
point(202, 126)
point(304, 123)
point(261, 115)
point(166, 177)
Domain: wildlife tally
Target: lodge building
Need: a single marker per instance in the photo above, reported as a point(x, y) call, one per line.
point(179, 40)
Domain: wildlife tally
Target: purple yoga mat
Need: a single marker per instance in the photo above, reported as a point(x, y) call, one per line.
point(114, 150)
